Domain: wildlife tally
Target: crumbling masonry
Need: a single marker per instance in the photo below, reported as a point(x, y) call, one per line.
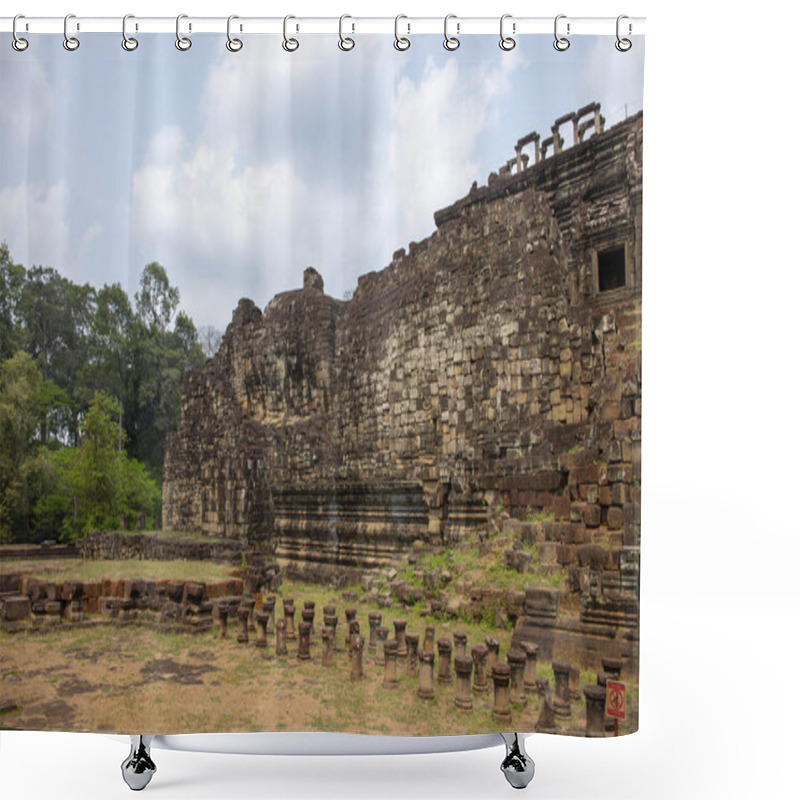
point(495, 366)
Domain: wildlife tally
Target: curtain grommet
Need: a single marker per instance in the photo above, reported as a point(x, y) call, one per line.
point(561, 43)
point(70, 43)
point(289, 44)
point(451, 43)
point(507, 43)
point(17, 42)
point(401, 43)
point(129, 43)
point(623, 45)
point(183, 43)
point(233, 44)
point(346, 43)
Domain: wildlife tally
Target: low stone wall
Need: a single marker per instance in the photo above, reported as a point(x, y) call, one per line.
point(25, 552)
point(116, 545)
point(28, 603)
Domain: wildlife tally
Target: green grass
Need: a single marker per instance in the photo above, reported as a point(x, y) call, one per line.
point(76, 569)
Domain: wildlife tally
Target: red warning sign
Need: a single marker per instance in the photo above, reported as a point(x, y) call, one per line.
point(615, 699)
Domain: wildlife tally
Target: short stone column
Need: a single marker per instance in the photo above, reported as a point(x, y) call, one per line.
point(400, 636)
point(516, 661)
point(307, 615)
point(459, 644)
point(547, 717)
point(390, 664)
point(463, 666)
point(243, 614)
point(613, 666)
point(331, 620)
point(425, 687)
point(310, 605)
point(479, 653)
point(222, 610)
point(494, 652)
point(445, 650)
point(374, 624)
point(381, 635)
point(356, 658)
point(288, 615)
point(561, 700)
point(349, 616)
point(304, 631)
point(354, 630)
point(412, 657)
point(574, 682)
point(327, 646)
point(531, 655)
point(250, 602)
point(427, 642)
point(269, 608)
point(261, 623)
point(595, 711)
point(280, 637)
point(501, 676)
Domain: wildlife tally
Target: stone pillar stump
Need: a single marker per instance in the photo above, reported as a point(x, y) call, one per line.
point(463, 667)
point(501, 677)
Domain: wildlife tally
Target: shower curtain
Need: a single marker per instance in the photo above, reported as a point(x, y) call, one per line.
point(320, 382)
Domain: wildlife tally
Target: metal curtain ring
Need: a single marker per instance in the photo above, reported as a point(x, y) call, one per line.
point(345, 43)
point(401, 42)
point(128, 42)
point(561, 43)
point(70, 42)
point(289, 45)
point(507, 42)
point(623, 45)
point(18, 43)
point(234, 45)
point(181, 42)
point(450, 42)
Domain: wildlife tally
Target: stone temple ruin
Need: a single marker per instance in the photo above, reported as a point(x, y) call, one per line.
point(494, 368)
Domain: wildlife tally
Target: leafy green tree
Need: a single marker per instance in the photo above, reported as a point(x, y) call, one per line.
point(25, 469)
point(55, 316)
point(12, 279)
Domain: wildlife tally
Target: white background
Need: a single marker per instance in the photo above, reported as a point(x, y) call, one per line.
point(719, 709)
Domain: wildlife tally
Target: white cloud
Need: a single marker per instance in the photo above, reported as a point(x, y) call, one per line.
point(25, 122)
point(33, 222)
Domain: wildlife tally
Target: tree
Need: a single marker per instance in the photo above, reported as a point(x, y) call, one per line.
point(12, 279)
point(156, 300)
point(25, 470)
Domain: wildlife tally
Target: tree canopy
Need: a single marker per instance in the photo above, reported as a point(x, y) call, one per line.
point(90, 386)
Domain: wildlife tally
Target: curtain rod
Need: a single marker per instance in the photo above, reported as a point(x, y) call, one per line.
point(459, 26)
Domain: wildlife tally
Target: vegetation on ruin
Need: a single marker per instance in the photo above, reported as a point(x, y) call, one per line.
point(90, 385)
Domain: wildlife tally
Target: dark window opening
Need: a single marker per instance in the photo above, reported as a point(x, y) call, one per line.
point(611, 269)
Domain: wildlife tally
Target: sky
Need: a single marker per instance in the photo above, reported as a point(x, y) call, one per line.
point(237, 171)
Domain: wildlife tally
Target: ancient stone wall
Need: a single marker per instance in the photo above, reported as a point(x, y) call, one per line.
point(495, 365)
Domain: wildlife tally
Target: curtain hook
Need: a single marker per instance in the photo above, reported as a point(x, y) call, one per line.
point(70, 42)
point(128, 42)
point(507, 42)
point(451, 42)
point(561, 43)
point(18, 43)
point(345, 43)
point(623, 45)
point(289, 45)
point(181, 42)
point(401, 43)
point(234, 45)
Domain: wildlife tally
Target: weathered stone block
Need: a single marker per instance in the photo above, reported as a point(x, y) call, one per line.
point(16, 608)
